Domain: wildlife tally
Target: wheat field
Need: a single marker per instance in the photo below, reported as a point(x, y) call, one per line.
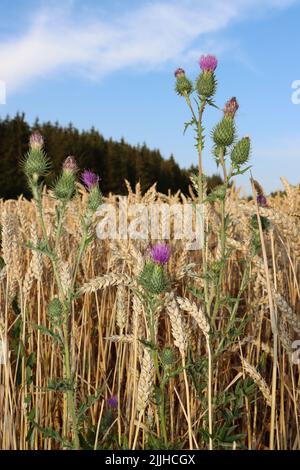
point(109, 330)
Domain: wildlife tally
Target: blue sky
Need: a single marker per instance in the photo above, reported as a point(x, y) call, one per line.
point(110, 64)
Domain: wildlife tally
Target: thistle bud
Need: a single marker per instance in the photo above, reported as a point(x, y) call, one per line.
point(183, 84)
point(168, 357)
point(241, 151)
point(64, 188)
point(95, 198)
point(35, 164)
point(224, 132)
point(179, 73)
point(36, 141)
point(231, 108)
point(220, 192)
point(70, 165)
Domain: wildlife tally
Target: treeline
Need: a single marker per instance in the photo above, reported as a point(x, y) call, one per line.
point(113, 161)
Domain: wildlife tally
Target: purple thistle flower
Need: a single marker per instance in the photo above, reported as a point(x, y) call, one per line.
point(160, 253)
point(208, 63)
point(179, 73)
point(262, 200)
point(113, 402)
point(36, 141)
point(70, 164)
point(89, 179)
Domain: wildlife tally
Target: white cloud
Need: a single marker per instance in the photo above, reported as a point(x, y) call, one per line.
point(146, 37)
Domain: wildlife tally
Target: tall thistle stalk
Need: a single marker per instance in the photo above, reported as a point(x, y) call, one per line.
point(36, 166)
point(225, 145)
point(154, 281)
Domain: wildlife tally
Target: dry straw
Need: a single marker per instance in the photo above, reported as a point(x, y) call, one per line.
point(110, 325)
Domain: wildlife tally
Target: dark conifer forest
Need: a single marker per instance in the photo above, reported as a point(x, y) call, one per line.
point(114, 161)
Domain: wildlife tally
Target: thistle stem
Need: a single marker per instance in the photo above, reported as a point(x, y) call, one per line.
point(79, 255)
point(199, 128)
point(209, 393)
point(222, 241)
point(160, 379)
point(71, 400)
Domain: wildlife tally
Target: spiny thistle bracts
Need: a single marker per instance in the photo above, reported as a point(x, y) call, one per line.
point(35, 163)
point(224, 132)
point(183, 85)
point(241, 151)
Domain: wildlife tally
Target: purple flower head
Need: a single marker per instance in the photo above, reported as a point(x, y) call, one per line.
point(208, 63)
point(113, 402)
point(160, 253)
point(36, 141)
point(70, 164)
point(262, 200)
point(89, 179)
point(179, 73)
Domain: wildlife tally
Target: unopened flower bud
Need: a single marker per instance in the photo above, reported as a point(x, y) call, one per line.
point(168, 356)
point(70, 164)
point(241, 151)
point(36, 141)
point(36, 163)
point(179, 73)
point(64, 188)
point(220, 192)
point(231, 107)
point(224, 132)
point(183, 85)
point(95, 198)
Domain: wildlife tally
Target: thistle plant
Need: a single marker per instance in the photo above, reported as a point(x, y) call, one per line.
point(154, 282)
point(36, 165)
point(156, 292)
point(231, 154)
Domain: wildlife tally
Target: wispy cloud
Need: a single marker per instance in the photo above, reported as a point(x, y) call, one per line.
point(148, 36)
